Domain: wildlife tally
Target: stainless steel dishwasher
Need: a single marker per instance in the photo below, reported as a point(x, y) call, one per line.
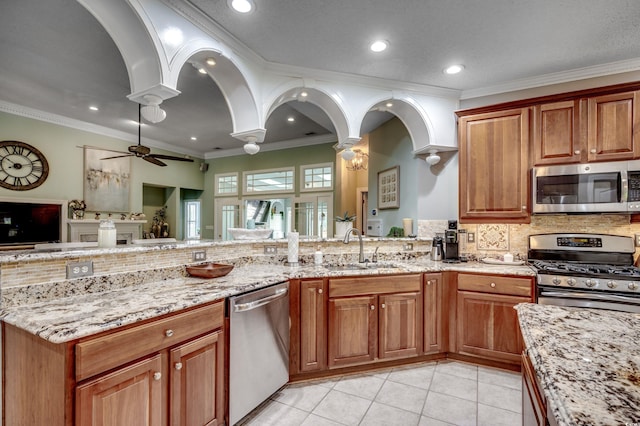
point(258, 347)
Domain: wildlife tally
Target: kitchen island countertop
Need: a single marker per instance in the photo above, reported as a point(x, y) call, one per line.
point(587, 362)
point(84, 313)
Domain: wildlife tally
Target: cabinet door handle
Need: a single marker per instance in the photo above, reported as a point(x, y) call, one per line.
point(320, 290)
point(576, 152)
point(373, 307)
point(178, 366)
point(383, 306)
point(168, 333)
point(493, 285)
point(429, 282)
point(157, 376)
point(593, 150)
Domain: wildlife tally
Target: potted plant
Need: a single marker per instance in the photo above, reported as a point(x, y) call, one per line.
point(343, 223)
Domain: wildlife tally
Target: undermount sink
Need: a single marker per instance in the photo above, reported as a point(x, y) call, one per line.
point(362, 266)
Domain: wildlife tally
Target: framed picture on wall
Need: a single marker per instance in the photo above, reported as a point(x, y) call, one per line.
point(106, 180)
point(389, 188)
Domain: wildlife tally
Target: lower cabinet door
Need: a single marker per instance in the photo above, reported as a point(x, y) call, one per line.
point(353, 330)
point(400, 325)
point(313, 340)
point(129, 396)
point(196, 397)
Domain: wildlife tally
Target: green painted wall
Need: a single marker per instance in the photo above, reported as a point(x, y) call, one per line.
point(60, 144)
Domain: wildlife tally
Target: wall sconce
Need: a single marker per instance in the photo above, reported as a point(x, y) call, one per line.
point(433, 158)
point(360, 161)
point(251, 147)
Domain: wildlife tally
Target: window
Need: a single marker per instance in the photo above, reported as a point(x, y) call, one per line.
point(316, 177)
point(268, 181)
point(226, 184)
point(192, 220)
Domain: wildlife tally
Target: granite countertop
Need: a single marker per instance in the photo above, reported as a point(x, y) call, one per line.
point(587, 362)
point(85, 313)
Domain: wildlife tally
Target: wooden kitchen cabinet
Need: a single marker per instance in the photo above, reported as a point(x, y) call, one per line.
point(494, 167)
point(588, 129)
point(487, 324)
point(534, 407)
point(163, 371)
point(312, 324)
point(374, 318)
point(434, 319)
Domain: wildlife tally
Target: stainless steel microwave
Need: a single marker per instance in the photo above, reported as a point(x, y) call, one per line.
point(610, 187)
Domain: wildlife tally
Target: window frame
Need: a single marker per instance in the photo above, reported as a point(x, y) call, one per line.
point(216, 178)
point(245, 174)
point(305, 167)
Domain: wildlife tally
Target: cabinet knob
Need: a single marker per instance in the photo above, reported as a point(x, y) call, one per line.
point(320, 290)
point(157, 376)
point(576, 152)
point(593, 151)
point(383, 306)
point(429, 282)
point(493, 285)
point(168, 333)
point(178, 366)
point(524, 208)
point(373, 307)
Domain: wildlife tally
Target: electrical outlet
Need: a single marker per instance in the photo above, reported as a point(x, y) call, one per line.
point(199, 255)
point(270, 249)
point(471, 237)
point(79, 269)
point(637, 238)
point(408, 246)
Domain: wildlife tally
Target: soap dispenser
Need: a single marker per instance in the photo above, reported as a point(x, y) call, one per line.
point(317, 256)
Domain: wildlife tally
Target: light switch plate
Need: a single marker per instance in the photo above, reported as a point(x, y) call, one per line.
point(471, 237)
point(637, 240)
point(79, 269)
point(199, 255)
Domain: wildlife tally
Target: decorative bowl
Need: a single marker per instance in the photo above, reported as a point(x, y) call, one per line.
point(209, 270)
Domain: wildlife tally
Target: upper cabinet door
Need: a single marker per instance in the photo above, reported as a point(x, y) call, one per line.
point(494, 164)
point(613, 123)
point(557, 133)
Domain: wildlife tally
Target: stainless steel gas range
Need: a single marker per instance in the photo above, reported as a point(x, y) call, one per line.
point(586, 270)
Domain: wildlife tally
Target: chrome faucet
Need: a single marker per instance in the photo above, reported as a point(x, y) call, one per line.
point(359, 234)
point(374, 256)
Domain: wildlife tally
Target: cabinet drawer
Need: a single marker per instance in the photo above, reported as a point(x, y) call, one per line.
point(103, 353)
point(358, 286)
point(495, 284)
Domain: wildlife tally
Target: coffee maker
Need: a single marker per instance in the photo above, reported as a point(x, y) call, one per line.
point(451, 254)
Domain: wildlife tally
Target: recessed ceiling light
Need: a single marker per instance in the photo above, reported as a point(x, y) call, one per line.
point(193, 138)
point(291, 119)
point(93, 108)
point(379, 46)
point(454, 69)
point(304, 94)
point(202, 70)
point(242, 6)
point(211, 62)
point(389, 104)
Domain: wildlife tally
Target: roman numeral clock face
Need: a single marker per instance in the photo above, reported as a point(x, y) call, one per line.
point(22, 167)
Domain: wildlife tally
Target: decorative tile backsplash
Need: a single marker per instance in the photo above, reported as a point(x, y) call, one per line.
point(493, 236)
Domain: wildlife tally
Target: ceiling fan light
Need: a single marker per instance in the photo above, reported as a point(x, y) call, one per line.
point(153, 113)
point(251, 148)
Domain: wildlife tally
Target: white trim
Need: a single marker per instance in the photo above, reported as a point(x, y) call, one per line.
point(275, 146)
point(304, 167)
point(216, 178)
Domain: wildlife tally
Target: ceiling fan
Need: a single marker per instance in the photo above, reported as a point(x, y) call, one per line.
point(144, 152)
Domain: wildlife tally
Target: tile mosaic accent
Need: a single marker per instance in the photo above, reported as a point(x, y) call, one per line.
point(493, 237)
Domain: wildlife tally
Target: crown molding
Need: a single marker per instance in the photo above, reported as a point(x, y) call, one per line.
point(274, 146)
point(555, 78)
point(71, 123)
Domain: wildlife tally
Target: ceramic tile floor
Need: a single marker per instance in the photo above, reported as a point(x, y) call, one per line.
point(428, 394)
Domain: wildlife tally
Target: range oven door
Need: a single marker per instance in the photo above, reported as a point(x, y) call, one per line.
point(580, 188)
point(589, 299)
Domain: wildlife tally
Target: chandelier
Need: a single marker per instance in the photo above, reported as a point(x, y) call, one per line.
point(359, 162)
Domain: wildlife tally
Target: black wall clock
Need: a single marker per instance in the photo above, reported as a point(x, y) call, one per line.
point(22, 167)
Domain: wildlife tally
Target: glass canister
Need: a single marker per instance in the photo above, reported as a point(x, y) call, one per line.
point(107, 233)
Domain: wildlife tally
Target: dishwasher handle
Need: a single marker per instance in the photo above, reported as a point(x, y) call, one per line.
point(244, 307)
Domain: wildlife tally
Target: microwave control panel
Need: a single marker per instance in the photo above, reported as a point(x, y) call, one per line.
point(634, 186)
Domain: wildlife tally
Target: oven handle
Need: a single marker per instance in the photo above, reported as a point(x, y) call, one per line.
point(591, 296)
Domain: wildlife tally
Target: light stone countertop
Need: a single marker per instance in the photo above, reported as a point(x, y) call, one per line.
point(587, 362)
point(83, 313)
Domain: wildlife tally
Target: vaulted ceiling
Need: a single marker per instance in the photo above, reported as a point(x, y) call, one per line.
point(56, 58)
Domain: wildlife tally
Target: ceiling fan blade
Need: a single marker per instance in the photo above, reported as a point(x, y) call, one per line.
point(117, 156)
point(170, 157)
point(153, 160)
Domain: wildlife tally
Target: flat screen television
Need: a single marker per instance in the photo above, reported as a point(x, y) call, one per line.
point(29, 223)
